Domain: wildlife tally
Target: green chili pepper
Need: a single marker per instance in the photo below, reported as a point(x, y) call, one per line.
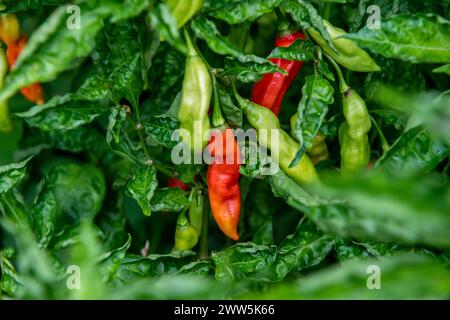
point(5, 122)
point(262, 118)
point(186, 237)
point(355, 146)
point(348, 53)
point(195, 100)
point(184, 10)
point(196, 211)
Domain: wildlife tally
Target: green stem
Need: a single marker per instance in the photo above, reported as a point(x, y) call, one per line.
point(203, 251)
point(326, 11)
point(342, 83)
point(384, 144)
point(283, 23)
point(218, 120)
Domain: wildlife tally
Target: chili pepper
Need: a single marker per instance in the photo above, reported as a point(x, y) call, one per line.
point(184, 10)
point(348, 53)
point(223, 174)
point(5, 122)
point(195, 100)
point(355, 146)
point(318, 150)
point(186, 237)
point(263, 119)
point(177, 183)
point(34, 92)
point(9, 28)
point(196, 211)
point(271, 89)
point(223, 183)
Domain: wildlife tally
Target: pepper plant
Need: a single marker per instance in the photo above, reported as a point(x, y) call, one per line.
point(109, 110)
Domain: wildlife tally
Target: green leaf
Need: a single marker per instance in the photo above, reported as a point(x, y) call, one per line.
point(77, 140)
point(414, 152)
point(238, 11)
point(24, 5)
point(70, 193)
point(53, 39)
point(243, 260)
point(232, 113)
point(392, 117)
point(306, 16)
point(198, 268)
point(404, 76)
point(443, 69)
point(166, 24)
point(207, 30)
point(416, 38)
point(11, 175)
point(160, 128)
point(118, 139)
point(378, 208)
point(119, 58)
point(12, 205)
point(169, 199)
point(398, 281)
point(301, 50)
point(249, 68)
point(134, 267)
point(142, 187)
point(305, 248)
point(317, 94)
point(44, 214)
point(62, 113)
point(167, 71)
point(9, 280)
point(110, 261)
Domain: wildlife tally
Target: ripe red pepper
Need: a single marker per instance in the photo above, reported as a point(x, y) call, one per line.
point(223, 183)
point(270, 90)
point(34, 92)
point(177, 183)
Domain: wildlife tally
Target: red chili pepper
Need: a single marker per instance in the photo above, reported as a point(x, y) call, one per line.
point(34, 92)
point(223, 183)
point(270, 90)
point(177, 183)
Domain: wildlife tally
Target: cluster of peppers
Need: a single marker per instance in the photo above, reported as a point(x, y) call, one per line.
point(15, 43)
point(262, 113)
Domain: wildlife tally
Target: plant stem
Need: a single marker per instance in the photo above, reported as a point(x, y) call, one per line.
point(204, 252)
point(384, 144)
point(342, 83)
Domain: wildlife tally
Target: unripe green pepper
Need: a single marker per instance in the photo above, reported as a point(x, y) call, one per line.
point(5, 122)
point(196, 211)
point(348, 54)
point(262, 118)
point(355, 146)
point(184, 10)
point(355, 153)
point(195, 100)
point(356, 114)
point(186, 237)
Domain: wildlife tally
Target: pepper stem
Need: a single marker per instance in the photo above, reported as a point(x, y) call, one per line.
point(218, 120)
point(191, 51)
point(384, 144)
point(283, 23)
point(203, 251)
point(342, 84)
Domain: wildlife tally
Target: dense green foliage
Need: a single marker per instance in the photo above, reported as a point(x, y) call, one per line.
point(83, 178)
